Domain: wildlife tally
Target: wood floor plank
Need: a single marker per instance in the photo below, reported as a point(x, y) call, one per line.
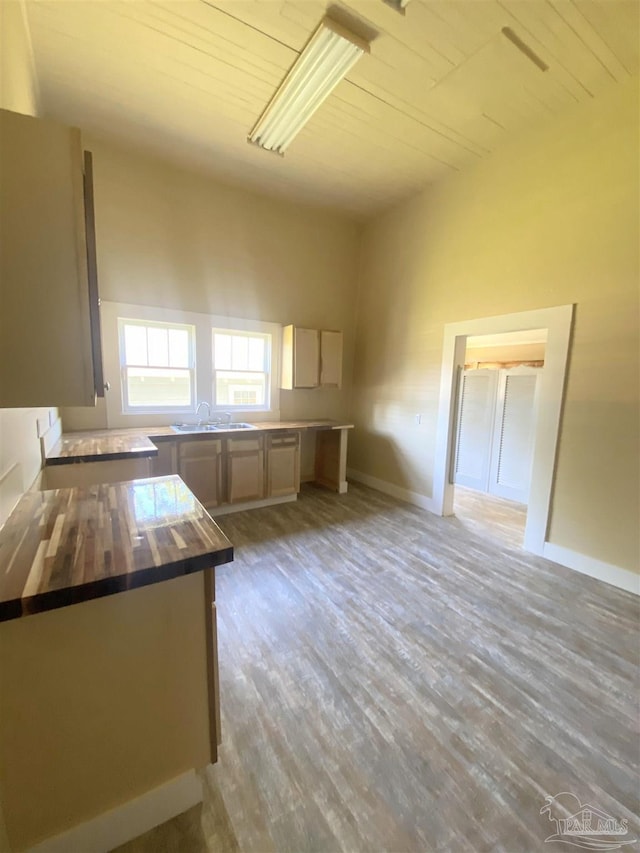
point(393, 681)
point(490, 516)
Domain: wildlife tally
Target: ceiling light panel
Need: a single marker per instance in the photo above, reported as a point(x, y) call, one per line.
point(328, 56)
point(398, 5)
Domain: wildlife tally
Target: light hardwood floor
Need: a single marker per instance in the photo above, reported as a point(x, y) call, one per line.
point(391, 681)
point(491, 517)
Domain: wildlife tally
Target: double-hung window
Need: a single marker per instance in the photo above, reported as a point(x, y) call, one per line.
point(241, 370)
point(168, 360)
point(157, 363)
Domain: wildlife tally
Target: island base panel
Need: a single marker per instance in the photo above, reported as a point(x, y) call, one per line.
point(101, 702)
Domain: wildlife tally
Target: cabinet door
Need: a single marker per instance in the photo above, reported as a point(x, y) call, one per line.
point(245, 469)
point(45, 334)
point(283, 465)
point(330, 359)
point(300, 358)
point(306, 358)
point(165, 462)
point(200, 466)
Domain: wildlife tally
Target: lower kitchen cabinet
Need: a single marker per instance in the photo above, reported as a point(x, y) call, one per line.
point(200, 466)
point(245, 469)
point(283, 464)
point(166, 462)
point(250, 467)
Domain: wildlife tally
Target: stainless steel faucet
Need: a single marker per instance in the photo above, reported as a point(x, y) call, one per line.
point(228, 416)
point(200, 405)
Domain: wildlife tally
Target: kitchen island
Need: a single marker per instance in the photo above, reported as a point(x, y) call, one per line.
point(113, 700)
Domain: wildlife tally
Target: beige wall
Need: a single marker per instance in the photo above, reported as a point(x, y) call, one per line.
point(19, 444)
point(552, 219)
point(174, 238)
point(18, 81)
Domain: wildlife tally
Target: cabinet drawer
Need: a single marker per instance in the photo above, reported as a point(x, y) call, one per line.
point(199, 447)
point(245, 445)
point(286, 439)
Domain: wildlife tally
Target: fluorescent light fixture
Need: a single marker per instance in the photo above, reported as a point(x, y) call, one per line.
point(398, 5)
point(328, 56)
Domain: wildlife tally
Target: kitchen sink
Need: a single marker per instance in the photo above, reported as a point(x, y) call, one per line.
point(194, 427)
point(185, 427)
point(236, 426)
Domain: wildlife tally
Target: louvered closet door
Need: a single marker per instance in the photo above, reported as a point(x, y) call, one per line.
point(512, 457)
point(476, 407)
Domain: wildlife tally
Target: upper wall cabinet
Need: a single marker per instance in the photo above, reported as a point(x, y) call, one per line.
point(300, 358)
point(49, 328)
point(311, 358)
point(330, 359)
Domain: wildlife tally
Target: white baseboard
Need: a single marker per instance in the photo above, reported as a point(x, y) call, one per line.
point(398, 492)
point(128, 821)
point(226, 509)
point(614, 575)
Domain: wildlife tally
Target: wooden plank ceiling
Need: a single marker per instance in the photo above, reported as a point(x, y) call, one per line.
point(441, 88)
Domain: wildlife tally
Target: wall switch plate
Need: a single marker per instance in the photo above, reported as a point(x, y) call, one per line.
point(418, 419)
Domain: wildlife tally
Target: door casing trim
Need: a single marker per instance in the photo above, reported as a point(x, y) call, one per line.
point(558, 321)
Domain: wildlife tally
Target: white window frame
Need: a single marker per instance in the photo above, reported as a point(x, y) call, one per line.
point(268, 372)
point(127, 407)
point(203, 362)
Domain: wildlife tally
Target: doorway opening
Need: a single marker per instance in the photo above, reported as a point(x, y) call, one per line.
point(548, 392)
point(496, 410)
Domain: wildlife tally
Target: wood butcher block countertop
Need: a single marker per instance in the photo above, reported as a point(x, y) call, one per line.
point(106, 444)
point(88, 447)
point(65, 546)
